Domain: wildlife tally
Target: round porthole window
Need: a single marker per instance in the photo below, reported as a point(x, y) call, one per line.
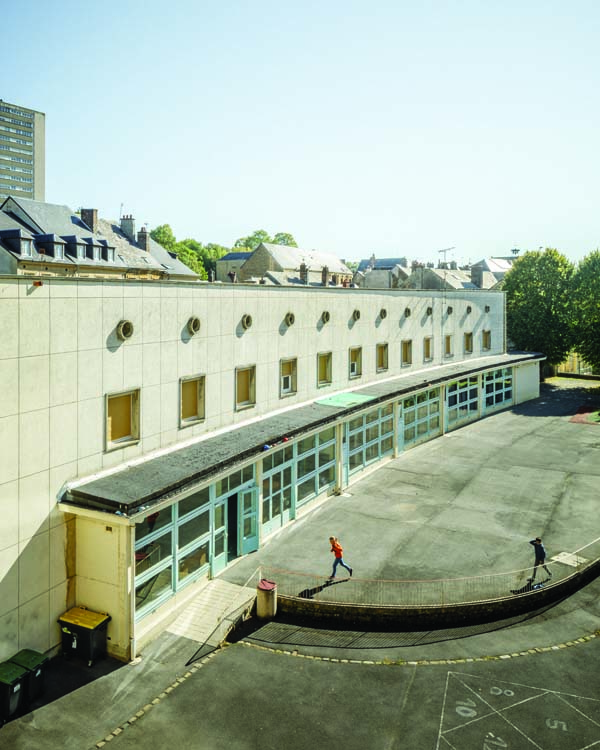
point(290, 319)
point(383, 313)
point(356, 315)
point(125, 330)
point(325, 316)
point(246, 321)
point(193, 325)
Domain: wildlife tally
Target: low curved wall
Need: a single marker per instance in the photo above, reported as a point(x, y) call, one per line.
point(374, 617)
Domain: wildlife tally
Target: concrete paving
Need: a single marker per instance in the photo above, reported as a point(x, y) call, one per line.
point(461, 505)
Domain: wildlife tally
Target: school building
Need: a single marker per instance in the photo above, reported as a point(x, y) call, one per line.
point(154, 430)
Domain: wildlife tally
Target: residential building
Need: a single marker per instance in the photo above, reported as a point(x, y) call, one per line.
point(51, 240)
point(155, 428)
point(381, 273)
point(231, 263)
point(22, 152)
point(282, 265)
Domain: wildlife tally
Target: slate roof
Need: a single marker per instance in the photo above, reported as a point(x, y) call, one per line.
point(236, 255)
point(41, 218)
point(134, 488)
point(382, 264)
point(495, 265)
point(290, 258)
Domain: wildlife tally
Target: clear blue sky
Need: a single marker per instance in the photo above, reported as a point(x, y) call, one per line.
point(392, 127)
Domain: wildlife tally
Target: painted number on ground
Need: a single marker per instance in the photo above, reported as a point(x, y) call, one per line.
point(555, 724)
point(491, 742)
point(499, 691)
point(466, 709)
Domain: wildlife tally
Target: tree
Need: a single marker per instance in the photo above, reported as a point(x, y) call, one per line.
point(284, 238)
point(191, 260)
point(586, 301)
point(539, 304)
point(163, 234)
point(253, 240)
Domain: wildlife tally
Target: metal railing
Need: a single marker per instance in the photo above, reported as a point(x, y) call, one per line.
point(434, 593)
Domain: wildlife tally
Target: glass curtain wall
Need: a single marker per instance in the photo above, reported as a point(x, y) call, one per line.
point(176, 545)
point(421, 415)
point(462, 399)
point(370, 437)
point(498, 388)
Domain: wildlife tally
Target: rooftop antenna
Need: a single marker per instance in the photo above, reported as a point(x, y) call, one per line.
point(121, 212)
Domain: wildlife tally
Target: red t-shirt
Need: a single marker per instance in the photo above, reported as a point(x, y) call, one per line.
point(336, 548)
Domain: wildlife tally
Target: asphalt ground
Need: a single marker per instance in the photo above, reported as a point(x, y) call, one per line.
point(464, 504)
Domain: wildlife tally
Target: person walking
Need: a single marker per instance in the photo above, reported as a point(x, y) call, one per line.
point(540, 555)
point(338, 551)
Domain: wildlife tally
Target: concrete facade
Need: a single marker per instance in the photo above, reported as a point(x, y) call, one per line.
point(22, 152)
point(62, 360)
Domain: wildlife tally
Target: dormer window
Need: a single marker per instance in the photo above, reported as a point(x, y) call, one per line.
point(81, 252)
point(59, 251)
point(25, 247)
point(109, 254)
point(96, 252)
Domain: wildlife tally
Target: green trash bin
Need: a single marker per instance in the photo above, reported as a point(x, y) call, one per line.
point(35, 664)
point(13, 690)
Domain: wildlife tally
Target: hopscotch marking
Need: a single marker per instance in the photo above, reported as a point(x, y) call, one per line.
point(498, 715)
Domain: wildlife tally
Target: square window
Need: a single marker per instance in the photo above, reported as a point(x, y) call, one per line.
point(245, 387)
point(191, 400)
point(428, 348)
point(122, 419)
point(406, 353)
point(468, 343)
point(382, 357)
point(287, 374)
point(355, 362)
point(486, 341)
point(324, 368)
point(448, 351)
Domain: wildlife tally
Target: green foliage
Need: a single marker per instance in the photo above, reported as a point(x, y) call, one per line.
point(191, 260)
point(586, 300)
point(203, 258)
point(252, 241)
point(163, 234)
point(284, 238)
point(539, 304)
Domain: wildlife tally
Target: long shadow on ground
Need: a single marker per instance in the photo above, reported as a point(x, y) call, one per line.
point(295, 632)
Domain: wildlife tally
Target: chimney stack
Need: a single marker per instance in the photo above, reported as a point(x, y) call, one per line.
point(303, 273)
point(477, 276)
point(143, 240)
point(89, 216)
point(128, 227)
point(325, 276)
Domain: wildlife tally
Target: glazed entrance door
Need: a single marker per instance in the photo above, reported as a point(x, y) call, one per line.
point(248, 516)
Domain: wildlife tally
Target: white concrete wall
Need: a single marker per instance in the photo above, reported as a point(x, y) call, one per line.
point(59, 357)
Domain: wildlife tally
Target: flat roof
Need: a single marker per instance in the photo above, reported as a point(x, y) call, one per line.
point(132, 489)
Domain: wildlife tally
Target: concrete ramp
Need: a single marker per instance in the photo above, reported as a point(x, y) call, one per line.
point(209, 617)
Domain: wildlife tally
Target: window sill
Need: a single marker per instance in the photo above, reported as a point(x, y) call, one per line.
point(324, 384)
point(122, 443)
point(183, 423)
point(243, 407)
point(287, 394)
